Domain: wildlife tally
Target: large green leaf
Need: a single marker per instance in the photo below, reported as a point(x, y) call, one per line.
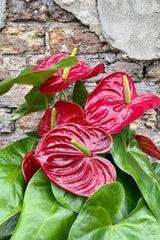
point(95, 219)
point(35, 101)
point(129, 158)
point(69, 200)
point(37, 78)
point(12, 184)
point(42, 217)
point(80, 94)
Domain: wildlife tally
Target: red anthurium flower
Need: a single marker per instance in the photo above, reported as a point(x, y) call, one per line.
point(70, 168)
point(65, 112)
point(29, 166)
point(106, 106)
point(78, 72)
point(147, 146)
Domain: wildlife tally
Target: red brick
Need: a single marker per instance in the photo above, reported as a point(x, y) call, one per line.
point(65, 39)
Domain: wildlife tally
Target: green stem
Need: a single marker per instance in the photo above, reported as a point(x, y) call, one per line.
point(46, 100)
point(126, 90)
point(60, 95)
point(53, 118)
point(65, 96)
point(81, 148)
point(66, 70)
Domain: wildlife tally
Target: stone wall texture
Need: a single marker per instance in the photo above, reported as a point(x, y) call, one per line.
point(32, 30)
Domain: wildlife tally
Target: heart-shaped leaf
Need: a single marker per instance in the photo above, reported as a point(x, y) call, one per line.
point(95, 218)
point(42, 217)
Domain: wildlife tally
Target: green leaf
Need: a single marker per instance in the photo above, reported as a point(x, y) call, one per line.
point(156, 166)
point(35, 101)
point(42, 217)
point(37, 78)
point(6, 229)
point(33, 134)
point(36, 98)
point(95, 218)
point(12, 184)
point(26, 70)
point(132, 195)
point(23, 107)
point(130, 159)
point(80, 94)
point(5, 86)
point(68, 200)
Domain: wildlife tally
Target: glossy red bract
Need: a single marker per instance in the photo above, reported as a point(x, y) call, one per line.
point(65, 112)
point(147, 146)
point(29, 166)
point(106, 107)
point(78, 72)
point(67, 166)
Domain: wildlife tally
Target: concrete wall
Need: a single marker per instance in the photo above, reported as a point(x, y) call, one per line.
point(32, 30)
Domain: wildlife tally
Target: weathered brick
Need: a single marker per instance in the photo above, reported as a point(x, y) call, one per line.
point(150, 118)
point(15, 97)
point(132, 69)
point(31, 121)
point(35, 60)
point(37, 10)
point(21, 39)
point(10, 66)
point(6, 126)
point(65, 39)
point(153, 71)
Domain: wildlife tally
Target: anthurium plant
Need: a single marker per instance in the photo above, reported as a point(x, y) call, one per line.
point(83, 174)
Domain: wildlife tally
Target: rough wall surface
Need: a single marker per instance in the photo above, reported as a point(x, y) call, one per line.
point(35, 29)
point(2, 13)
point(131, 26)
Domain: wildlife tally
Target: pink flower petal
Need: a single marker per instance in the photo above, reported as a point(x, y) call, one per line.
point(106, 107)
point(65, 112)
point(67, 166)
point(29, 166)
point(78, 72)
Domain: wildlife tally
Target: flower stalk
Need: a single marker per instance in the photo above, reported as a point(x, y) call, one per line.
point(66, 70)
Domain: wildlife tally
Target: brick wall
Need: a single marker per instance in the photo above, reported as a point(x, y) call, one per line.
point(36, 29)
